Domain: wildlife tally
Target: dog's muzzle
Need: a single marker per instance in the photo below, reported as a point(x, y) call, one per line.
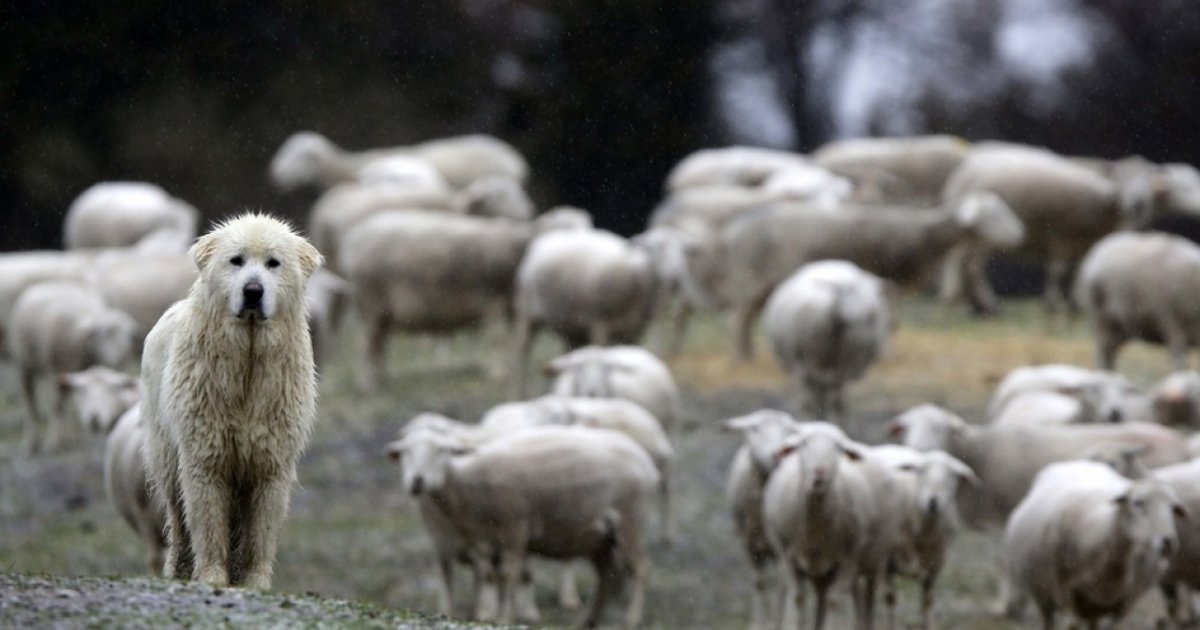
point(252, 295)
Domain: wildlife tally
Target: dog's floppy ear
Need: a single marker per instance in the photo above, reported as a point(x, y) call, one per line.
point(204, 248)
point(309, 257)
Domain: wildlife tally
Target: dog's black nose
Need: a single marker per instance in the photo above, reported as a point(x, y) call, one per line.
point(252, 293)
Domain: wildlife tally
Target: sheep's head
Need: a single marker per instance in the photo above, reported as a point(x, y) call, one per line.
point(1122, 457)
point(101, 395)
point(496, 196)
point(109, 337)
point(820, 452)
point(1155, 190)
point(563, 218)
point(990, 219)
point(304, 158)
point(1177, 399)
point(1147, 512)
point(927, 427)
point(766, 432)
point(424, 457)
point(938, 477)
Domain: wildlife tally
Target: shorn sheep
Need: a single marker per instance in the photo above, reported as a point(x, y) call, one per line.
point(827, 324)
point(119, 214)
point(230, 401)
point(63, 327)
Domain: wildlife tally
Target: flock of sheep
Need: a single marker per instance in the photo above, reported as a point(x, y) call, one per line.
point(1099, 499)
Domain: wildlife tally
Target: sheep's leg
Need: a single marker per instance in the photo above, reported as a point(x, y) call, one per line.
point(30, 443)
point(745, 316)
point(866, 604)
point(952, 274)
point(640, 569)
point(1108, 340)
point(980, 293)
point(680, 317)
point(487, 602)
point(265, 514)
point(54, 425)
point(607, 575)
point(821, 587)
point(206, 499)
point(927, 620)
point(598, 334)
point(667, 525)
point(1057, 270)
point(793, 598)
point(1047, 617)
point(512, 562)
point(568, 591)
point(889, 596)
point(526, 598)
point(374, 350)
point(522, 344)
point(758, 599)
point(445, 595)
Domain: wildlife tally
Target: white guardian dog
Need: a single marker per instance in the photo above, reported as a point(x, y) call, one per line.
point(230, 399)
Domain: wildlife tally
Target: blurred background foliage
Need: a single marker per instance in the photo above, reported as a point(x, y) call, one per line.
point(603, 96)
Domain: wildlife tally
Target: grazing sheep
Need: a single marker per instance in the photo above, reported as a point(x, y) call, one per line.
point(101, 395)
point(1176, 399)
point(928, 519)
point(429, 272)
point(1006, 458)
point(742, 262)
point(736, 165)
point(1073, 207)
point(144, 285)
point(912, 169)
point(119, 214)
point(1102, 396)
point(495, 196)
point(343, 207)
point(230, 401)
point(325, 296)
point(589, 286)
point(827, 324)
point(557, 492)
point(1141, 286)
point(629, 372)
point(129, 489)
point(1089, 541)
point(63, 327)
point(825, 518)
point(20, 270)
point(765, 433)
point(308, 158)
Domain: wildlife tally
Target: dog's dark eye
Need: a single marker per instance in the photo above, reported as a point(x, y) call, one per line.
point(237, 261)
point(272, 263)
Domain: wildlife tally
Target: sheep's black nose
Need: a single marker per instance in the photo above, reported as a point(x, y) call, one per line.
point(418, 485)
point(252, 293)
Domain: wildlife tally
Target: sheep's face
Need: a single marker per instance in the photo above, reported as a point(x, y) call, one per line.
point(1182, 186)
point(424, 457)
point(1147, 512)
point(988, 217)
point(821, 453)
point(938, 480)
point(110, 337)
point(101, 395)
point(927, 427)
point(302, 160)
point(766, 433)
point(256, 267)
point(497, 197)
point(1177, 399)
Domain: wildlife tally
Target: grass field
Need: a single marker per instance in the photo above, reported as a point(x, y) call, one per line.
point(352, 533)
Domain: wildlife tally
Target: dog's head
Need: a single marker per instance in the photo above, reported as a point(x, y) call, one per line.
point(256, 265)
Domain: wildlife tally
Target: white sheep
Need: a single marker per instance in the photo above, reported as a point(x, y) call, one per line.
point(21, 270)
point(1006, 458)
point(325, 297)
point(63, 327)
point(735, 165)
point(129, 490)
point(1101, 396)
point(144, 285)
point(1089, 541)
point(558, 492)
point(629, 372)
point(925, 489)
point(101, 395)
point(1140, 286)
point(402, 169)
point(765, 434)
point(589, 286)
point(308, 158)
point(1176, 399)
point(826, 515)
point(495, 196)
point(1184, 573)
point(738, 265)
point(827, 324)
point(903, 169)
point(119, 214)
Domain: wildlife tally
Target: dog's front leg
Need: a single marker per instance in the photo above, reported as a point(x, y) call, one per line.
point(265, 515)
point(206, 501)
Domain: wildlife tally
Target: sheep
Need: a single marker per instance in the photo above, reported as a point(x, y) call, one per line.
point(565, 218)
point(589, 286)
point(742, 262)
point(20, 270)
point(344, 206)
point(1044, 408)
point(827, 324)
point(1184, 573)
point(101, 395)
point(1101, 396)
point(308, 158)
point(765, 434)
point(430, 272)
point(128, 488)
point(558, 492)
point(1140, 286)
point(119, 214)
point(1007, 457)
point(144, 285)
point(603, 413)
point(1176, 399)
point(1089, 541)
point(1073, 206)
point(495, 196)
point(736, 165)
point(63, 327)
point(402, 169)
point(629, 372)
point(826, 518)
point(325, 296)
point(928, 519)
point(912, 169)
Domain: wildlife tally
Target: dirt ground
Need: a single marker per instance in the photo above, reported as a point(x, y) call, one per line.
point(352, 534)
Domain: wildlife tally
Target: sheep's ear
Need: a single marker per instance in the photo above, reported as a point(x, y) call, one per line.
point(1180, 511)
point(965, 473)
point(460, 449)
point(782, 452)
point(895, 427)
point(394, 450)
point(309, 258)
point(203, 250)
point(1122, 499)
point(852, 453)
point(909, 468)
point(741, 423)
point(68, 380)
